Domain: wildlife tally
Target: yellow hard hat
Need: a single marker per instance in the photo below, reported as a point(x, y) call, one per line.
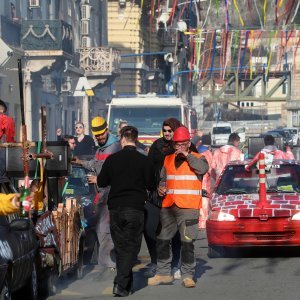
point(99, 125)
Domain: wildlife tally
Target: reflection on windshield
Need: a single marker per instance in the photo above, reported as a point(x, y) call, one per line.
point(281, 178)
point(147, 120)
point(221, 130)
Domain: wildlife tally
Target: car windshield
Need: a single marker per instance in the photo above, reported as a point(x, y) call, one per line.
point(292, 131)
point(148, 120)
point(222, 130)
point(283, 178)
point(77, 183)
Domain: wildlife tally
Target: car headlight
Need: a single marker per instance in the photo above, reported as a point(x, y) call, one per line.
point(220, 216)
point(296, 217)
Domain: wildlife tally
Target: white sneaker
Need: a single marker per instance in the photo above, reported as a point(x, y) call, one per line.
point(176, 273)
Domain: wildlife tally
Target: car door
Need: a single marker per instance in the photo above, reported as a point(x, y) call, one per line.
point(21, 245)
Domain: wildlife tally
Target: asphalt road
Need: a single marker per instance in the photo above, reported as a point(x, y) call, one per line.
point(263, 274)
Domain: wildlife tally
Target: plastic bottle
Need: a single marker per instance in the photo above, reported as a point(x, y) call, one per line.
point(24, 203)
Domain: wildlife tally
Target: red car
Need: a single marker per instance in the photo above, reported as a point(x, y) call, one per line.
point(239, 218)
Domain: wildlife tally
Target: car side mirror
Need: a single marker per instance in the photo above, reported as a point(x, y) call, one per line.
point(20, 224)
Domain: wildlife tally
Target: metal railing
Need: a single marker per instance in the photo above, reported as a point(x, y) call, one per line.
point(99, 60)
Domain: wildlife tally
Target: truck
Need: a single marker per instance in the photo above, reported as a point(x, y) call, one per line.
point(147, 113)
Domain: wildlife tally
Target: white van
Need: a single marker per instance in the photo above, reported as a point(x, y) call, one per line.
point(220, 133)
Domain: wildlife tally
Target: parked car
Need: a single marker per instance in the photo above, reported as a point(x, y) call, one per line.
point(295, 133)
point(18, 253)
point(86, 194)
point(237, 217)
point(285, 134)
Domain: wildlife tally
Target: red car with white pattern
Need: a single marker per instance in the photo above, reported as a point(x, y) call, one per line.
point(240, 216)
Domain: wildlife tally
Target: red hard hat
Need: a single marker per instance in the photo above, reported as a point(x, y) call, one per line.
point(181, 134)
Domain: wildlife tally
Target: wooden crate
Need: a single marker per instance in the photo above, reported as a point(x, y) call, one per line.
point(67, 219)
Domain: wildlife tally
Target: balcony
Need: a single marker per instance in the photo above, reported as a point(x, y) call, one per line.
point(46, 37)
point(10, 31)
point(100, 61)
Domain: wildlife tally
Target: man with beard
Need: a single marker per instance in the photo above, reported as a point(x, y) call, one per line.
point(107, 145)
point(159, 149)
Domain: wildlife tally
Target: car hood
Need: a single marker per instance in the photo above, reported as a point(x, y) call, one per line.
point(280, 204)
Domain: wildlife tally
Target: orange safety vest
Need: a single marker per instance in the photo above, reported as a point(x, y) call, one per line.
point(183, 186)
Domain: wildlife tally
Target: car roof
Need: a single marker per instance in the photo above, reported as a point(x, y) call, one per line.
point(277, 161)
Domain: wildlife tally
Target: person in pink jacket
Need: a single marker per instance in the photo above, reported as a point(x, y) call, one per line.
point(204, 149)
point(270, 148)
point(225, 154)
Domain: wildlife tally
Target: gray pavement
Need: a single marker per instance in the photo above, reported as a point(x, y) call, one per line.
point(269, 274)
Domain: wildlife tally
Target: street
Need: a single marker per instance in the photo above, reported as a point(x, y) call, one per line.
point(269, 274)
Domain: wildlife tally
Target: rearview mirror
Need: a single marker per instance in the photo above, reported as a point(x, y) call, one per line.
point(20, 224)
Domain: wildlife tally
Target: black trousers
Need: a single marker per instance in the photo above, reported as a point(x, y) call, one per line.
point(126, 227)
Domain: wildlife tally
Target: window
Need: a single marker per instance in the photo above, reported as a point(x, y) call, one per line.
point(34, 3)
point(86, 42)
point(148, 120)
point(85, 12)
point(222, 130)
point(85, 27)
point(295, 118)
point(236, 180)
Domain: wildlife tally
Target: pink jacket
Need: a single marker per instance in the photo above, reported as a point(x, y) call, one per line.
point(206, 182)
point(278, 154)
point(222, 156)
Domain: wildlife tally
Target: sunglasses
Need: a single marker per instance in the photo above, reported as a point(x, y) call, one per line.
point(167, 130)
point(78, 127)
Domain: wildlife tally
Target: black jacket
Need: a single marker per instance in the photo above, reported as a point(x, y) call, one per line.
point(130, 175)
point(159, 150)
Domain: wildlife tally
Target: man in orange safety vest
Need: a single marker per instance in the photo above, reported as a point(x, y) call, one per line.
point(180, 184)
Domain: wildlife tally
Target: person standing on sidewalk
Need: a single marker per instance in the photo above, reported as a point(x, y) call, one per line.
point(130, 175)
point(107, 145)
point(7, 125)
point(85, 144)
point(180, 185)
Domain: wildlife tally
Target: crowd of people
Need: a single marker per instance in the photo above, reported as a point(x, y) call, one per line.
point(162, 191)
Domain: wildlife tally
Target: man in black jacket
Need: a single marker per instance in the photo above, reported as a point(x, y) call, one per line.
point(130, 175)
